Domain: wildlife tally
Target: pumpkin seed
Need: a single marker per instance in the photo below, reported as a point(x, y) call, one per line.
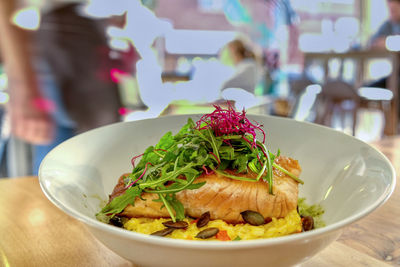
point(207, 233)
point(116, 221)
point(252, 217)
point(176, 225)
point(308, 223)
point(203, 220)
point(163, 232)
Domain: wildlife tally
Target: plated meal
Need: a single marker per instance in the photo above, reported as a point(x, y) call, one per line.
point(213, 180)
point(337, 169)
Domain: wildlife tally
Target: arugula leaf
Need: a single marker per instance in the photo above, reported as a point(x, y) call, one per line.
point(202, 156)
point(166, 141)
point(224, 165)
point(169, 157)
point(269, 177)
point(291, 175)
point(148, 157)
point(190, 174)
point(234, 177)
point(119, 203)
point(253, 166)
point(177, 206)
point(240, 163)
point(195, 186)
point(167, 205)
point(186, 129)
point(215, 144)
point(227, 152)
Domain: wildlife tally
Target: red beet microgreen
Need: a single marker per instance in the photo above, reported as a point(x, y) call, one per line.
point(229, 122)
point(141, 176)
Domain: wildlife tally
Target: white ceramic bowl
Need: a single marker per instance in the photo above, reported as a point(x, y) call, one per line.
point(348, 177)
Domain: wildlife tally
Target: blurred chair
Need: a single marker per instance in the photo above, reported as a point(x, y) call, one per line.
point(376, 98)
point(351, 67)
point(297, 86)
point(340, 97)
point(343, 98)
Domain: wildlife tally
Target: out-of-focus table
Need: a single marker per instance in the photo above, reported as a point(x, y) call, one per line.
point(33, 232)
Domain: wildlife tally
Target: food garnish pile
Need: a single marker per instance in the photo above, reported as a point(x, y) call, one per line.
point(211, 180)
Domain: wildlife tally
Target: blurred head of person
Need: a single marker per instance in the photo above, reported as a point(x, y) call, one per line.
point(239, 51)
point(394, 10)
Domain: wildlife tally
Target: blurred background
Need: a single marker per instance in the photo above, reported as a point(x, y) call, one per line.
point(332, 62)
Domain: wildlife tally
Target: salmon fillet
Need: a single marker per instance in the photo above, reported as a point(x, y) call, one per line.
point(226, 198)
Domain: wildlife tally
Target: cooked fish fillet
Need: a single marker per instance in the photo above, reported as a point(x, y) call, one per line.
point(226, 198)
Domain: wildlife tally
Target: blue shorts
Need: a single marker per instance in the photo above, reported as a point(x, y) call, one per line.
point(64, 126)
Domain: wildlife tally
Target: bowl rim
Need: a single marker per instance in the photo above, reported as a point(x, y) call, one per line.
point(218, 245)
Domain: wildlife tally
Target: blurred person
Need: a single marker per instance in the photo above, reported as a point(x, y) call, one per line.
point(214, 79)
point(389, 27)
point(247, 71)
point(59, 76)
point(378, 40)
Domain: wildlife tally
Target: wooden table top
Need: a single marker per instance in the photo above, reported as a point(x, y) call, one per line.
point(33, 232)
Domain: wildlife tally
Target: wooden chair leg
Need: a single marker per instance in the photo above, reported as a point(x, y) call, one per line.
point(328, 114)
point(355, 112)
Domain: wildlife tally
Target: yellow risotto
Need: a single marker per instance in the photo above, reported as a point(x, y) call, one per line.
point(277, 227)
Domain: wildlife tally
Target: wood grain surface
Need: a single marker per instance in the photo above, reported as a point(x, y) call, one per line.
point(33, 232)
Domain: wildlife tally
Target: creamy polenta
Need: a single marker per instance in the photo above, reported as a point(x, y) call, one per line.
point(277, 227)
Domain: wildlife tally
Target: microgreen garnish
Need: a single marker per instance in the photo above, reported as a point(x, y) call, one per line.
point(222, 142)
point(227, 122)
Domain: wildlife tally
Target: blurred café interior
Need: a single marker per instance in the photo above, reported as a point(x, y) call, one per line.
point(331, 62)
